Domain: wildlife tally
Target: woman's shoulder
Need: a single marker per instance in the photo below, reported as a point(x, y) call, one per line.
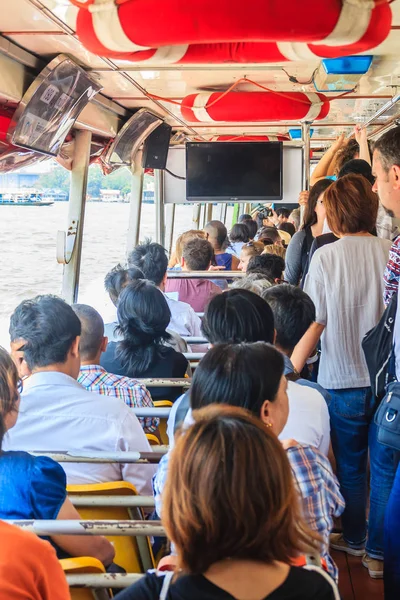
point(305, 584)
point(147, 588)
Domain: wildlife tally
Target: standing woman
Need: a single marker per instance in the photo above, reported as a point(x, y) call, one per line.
point(345, 282)
point(313, 223)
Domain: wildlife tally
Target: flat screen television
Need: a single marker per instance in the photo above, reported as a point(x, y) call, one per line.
point(234, 171)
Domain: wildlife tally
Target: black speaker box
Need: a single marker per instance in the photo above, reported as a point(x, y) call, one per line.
point(156, 146)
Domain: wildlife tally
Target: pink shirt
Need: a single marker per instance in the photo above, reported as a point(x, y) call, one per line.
point(196, 292)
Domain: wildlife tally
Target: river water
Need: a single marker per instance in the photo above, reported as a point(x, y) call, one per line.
point(28, 263)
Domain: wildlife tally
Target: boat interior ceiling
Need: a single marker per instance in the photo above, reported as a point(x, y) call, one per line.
point(179, 82)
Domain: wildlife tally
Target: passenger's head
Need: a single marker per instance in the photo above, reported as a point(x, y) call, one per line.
point(151, 259)
point(315, 209)
point(143, 317)
point(245, 375)
point(351, 205)
point(252, 227)
point(247, 252)
point(51, 332)
point(295, 218)
point(92, 343)
point(283, 214)
point(226, 509)
point(216, 234)
point(274, 249)
point(270, 265)
point(348, 151)
point(239, 233)
point(288, 228)
point(255, 282)
point(293, 310)
point(118, 278)
point(271, 234)
point(386, 169)
point(357, 166)
point(10, 386)
point(238, 316)
point(183, 239)
point(244, 218)
point(197, 255)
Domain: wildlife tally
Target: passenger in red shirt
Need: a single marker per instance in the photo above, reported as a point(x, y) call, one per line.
point(196, 256)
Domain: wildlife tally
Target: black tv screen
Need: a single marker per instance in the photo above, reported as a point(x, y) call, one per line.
point(236, 171)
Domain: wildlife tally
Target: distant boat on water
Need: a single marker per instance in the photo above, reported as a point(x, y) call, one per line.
point(23, 198)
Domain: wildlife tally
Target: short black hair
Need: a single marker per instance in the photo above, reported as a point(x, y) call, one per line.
point(217, 231)
point(244, 217)
point(252, 227)
point(151, 259)
point(269, 233)
point(92, 330)
point(238, 316)
point(270, 265)
point(293, 310)
point(388, 146)
point(239, 233)
point(357, 166)
point(283, 212)
point(244, 375)
point(118, 278)
point(197, 254)
point(49, 327)
point(288, 227)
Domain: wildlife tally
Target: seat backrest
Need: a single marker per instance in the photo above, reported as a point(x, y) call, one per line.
point(133, 553)
point(162, 428)
point(82, 565)
point(152, 439)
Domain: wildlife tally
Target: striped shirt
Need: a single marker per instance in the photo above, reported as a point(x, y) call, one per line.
point(135, 395)
point(392, 272)
point(317, 485)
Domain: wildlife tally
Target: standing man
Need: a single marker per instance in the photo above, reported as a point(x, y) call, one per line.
point(386, 169)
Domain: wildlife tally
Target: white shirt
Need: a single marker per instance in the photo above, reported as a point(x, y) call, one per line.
point(183, 318)
point(345, 282)
point(308, 422)
point(58, 414)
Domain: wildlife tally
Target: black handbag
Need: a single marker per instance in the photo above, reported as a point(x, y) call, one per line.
point(387, 417)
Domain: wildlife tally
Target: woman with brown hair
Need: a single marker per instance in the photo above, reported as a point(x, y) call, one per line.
point(184, 238)
point(248, 251)
point(236, 529)
point(345, 281)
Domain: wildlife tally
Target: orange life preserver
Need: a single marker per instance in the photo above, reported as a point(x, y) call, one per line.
point(230, 30)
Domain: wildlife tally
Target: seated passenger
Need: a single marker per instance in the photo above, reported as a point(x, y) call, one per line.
point(217, 235)
point(274, 249)
point(236, 530)
point(143, 317)
point(238, 236)
point(114, 283)
point(288, 228)
point(250, 376)
point(152, 259)
point(196, 256)
point(255, 282)
point(29, 569)
point(34, 487)
point(280, 215)
point(248, 251)
point(57, 414)
point(270, 265)
point(96, 379)
point(240, 316)
point(270, 234)
point(174, 262)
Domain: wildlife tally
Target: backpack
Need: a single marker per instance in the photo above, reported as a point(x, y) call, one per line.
point(378, 347)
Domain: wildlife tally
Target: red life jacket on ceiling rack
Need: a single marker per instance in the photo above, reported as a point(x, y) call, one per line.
point(207, 31)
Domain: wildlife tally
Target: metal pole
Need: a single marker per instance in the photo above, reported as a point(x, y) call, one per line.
point(159, 206)
point(209, 213)
point(89, 527)
point(170, 226)
point(305, 132)
point(224, 211)
point(135, 210)
point(196, 216)
point(76, 212)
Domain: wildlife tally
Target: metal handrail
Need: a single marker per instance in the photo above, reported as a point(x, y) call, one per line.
point(103, 580)
point(194, 355)
point(195, 340)
point(50, 527)
point(165, 382)
point(161, 413)
point(107, 500)
point(79, 456)
point(205, 274)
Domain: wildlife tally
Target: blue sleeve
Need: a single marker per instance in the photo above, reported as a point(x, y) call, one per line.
point(48, 488)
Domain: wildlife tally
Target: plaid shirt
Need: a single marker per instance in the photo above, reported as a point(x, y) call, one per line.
point(96, 379)
point(392, 272)
point(316, 483)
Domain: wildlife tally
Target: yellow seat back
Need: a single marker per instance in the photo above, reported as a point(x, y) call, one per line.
point(162, 428)
point(152, 439)
point(134, 554)
point(80, 565)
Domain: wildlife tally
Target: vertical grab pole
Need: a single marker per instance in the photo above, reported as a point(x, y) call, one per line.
point(305, 134)
point(196, 216)
point(159, 206)
point(135, 209)
point(76, 212)
point(208, 213)
point(170, 225)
